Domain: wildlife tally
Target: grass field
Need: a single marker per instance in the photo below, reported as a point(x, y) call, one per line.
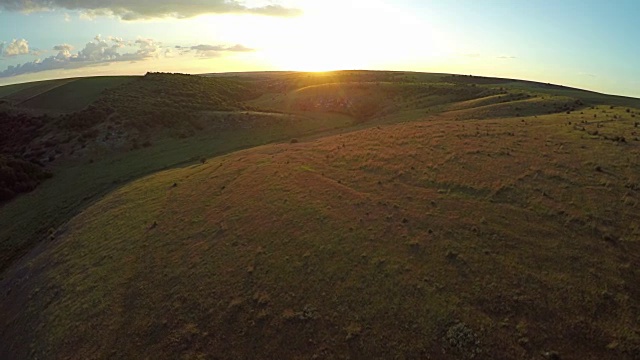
point(20, 92)
point(460, 221)
point(391, 241)
point(76, 185)
point(60, 96)
point(75, 95)
point(586, 96)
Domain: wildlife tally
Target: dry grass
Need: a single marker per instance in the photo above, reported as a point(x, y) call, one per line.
point(442, 239)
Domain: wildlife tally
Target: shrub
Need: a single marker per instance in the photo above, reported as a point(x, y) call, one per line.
point(19, 176)
point(462, 339)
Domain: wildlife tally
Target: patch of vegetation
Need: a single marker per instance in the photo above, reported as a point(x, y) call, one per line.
point(18, 93)
point(18, 131)
point(170, 100)
point(18, 176)
point(463, 341)
point(74, 95)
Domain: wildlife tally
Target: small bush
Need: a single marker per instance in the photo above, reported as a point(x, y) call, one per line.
point(19, 176)
point(464, 341)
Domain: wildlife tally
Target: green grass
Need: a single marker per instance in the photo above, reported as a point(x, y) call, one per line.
point(7, 90)
point(75, 185)
point(368, 100)
point(75, 95)
point(589, 97)
point(22, 92)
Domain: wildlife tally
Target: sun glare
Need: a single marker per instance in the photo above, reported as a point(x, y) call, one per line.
point(360, 35)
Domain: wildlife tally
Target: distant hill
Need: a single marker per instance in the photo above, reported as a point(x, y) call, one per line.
point(60, 96)
point(591, 97)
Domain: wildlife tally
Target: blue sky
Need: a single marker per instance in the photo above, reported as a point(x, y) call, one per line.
point(586, 44)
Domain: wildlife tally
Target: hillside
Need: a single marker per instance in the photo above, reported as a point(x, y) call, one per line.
point(59, 96)
point(346, 214)
point(484, 239)
point(18, 176)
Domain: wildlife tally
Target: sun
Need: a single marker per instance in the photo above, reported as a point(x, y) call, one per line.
point(360, 35)
point(314, 60)
point(330, 35)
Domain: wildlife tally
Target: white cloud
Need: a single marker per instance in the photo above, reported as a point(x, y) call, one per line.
point(67, 17)
point(63, 47)
point(105, 50)
point(145, 9)
point(169, 53)
point(36, 52)
point(214, 50)
point(148, 47)
point(97, 52)
point(17, 47)
point(117, 40)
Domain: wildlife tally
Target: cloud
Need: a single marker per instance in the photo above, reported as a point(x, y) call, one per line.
point(97, 52)
point(17, 47)
point(105, 50)
point(119, 41)
point(36, 52)
point(147, 47)
point(67, 17)
point(215, 50)
point(169, 53)
point(145, 9)
point(506, 57)
point(204, 50)
point(63, 47)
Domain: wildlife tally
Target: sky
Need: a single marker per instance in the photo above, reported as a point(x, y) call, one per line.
point(586, 44)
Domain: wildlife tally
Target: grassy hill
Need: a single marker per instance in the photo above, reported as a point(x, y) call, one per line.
point(451, 218)
point(20, 92)
point(75, 95)
point(477, 239)
point(60, 96)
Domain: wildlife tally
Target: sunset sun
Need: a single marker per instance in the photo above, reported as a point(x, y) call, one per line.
point(356, 37)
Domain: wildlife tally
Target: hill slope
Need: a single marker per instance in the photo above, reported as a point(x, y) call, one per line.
point(60, 96)
point(75, 95)
point(441, 239)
